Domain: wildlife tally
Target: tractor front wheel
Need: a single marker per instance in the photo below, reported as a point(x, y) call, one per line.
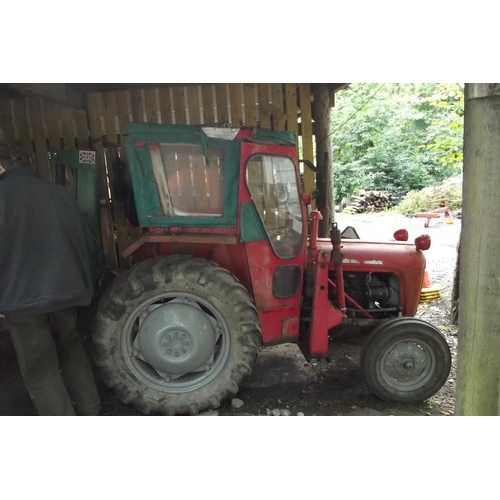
point(405, 360)
point(175, 335)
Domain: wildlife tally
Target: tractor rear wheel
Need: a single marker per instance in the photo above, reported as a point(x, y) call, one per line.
point(175, 335)
point(405, 360)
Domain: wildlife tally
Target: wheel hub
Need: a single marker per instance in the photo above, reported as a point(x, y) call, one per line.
point(177, 338)
point(406, 361)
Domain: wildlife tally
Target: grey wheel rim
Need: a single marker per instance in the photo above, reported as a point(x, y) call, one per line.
point(175, 342)
point(408, 365)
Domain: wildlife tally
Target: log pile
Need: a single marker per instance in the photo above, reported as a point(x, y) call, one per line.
point(371, 201)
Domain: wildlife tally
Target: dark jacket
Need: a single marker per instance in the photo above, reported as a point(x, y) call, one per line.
point(45, 246)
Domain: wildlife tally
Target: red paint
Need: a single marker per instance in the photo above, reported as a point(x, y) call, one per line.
point(401, 235)
point(244, 133)
point(401, 259)
point(336, 258)
point(314, 217)
point(262, 263)
point(290, 327)
point(325, 315)
point(423, 242)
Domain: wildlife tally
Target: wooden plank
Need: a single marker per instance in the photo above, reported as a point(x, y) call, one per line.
point(52, 123)
point(67, 127)
point(6, 121)
point(208, 104)
point(107, 227)
point(41, 157)
point(21, 123)
point(136, 103)
point(278, 113)
point(249, 102)
point(150, 105)
point(321, 114)
point(108, 112)
point(94, 116)
point(55, 92)
point(221, 102)
point(108, 108)
point(193, 105)
point(200, 187)
point(123, 112)
point(68, 139)
point(179, 106)
point(82, 129)
point(125, 231)
point(479, 292)
point(161, 180)
point(236, 100)
point(264, 106)
point(307, 134)
point(291, 107)
point(165, 106)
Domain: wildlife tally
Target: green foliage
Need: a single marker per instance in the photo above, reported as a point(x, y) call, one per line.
point(396, 137)
point(432, 197)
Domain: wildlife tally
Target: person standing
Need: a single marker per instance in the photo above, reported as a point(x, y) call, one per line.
point(45, 273)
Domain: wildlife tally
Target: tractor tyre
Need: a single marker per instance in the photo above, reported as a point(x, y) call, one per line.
point(405, 360)
point(175, 335)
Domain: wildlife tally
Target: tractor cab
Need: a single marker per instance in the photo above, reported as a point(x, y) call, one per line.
point(232, 196)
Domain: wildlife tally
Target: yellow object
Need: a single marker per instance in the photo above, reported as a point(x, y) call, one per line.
point(430, 294)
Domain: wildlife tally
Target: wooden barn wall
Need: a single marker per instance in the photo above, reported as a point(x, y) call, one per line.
point(42, 125)
point(277, 106)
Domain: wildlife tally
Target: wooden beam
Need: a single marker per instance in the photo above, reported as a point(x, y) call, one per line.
point(321, 111)
point(249, 101)
point(291, 107)
point(278, 112)
point(236, 99)
point(6, 120)
point(40, 140)
point(307, 133)
point(478, 366)
point(57, 92)
point(264, 107)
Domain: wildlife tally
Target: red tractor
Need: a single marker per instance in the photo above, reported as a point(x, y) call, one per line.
point(229, 258)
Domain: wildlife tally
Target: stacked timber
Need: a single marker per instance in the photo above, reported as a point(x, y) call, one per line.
point(371, 201)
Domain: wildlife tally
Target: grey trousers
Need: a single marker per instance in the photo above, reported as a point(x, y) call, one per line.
point(54, 364)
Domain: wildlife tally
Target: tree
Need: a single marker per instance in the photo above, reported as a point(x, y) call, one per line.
point(396, 136)
point(479, 311)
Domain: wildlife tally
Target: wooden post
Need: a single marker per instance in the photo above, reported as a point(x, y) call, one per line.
point(479, 311)
point(322, 107)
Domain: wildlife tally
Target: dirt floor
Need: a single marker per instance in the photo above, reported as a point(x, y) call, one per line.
point(283, 382)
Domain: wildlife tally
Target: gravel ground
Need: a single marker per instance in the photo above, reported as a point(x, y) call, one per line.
point(283, 382)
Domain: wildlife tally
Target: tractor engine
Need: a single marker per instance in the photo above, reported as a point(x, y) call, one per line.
point(376, 292)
